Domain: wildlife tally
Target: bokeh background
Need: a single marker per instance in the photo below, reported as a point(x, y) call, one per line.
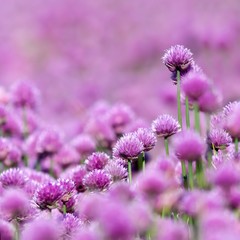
point(81, 51)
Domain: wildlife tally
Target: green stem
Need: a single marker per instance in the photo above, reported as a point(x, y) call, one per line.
point(207, 117)
point(25, 160)
point(214, 149)
point(16, 237)
point(51, 168)
point(64, 209)
point(179, 99)
point(200, 173)
point(25, 123)
point(184, 175)
point(141, 161)
point(236, 144)
point(190, 175)
point(187, 112)
point(129, 171)
point(197, 118)
point(166, 146)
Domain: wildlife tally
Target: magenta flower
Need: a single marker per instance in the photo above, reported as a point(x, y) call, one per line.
point(210, 101)
point(15, 204)
point(165, 126)
point(194, 85)
point(116, 170)
point(225, 176)
point(77, 176)
point(70, 224)
point(4, 148)
point(49, 142)
point(147, 137)
point(13, 177)
point(219, 138)
point(84, 144)
point(47, 196)
point(97, 160)
point(128, 147)
point(178, 58)
point(24, 95)
point(40, 229)
point(120, 115)
point(97, 180)
point(188, 146)
point(7, 231)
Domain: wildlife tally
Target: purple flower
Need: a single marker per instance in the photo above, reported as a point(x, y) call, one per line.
point(128, 147)
point(194, 85)
point(147, 137)
point(3, 114)
point(116, 170)
point(24, 95)
point(178, 58)
point(41, 229)
point(70, 224)
point(6, 230)
point(232, 123)
point(97, 180)
point(13, 177)
point(49, 142)
point(13, 158)
point(165, 126)
point(84, 144)
point(188, 146)
point(168, 229)
point(14, 204)
point(47, 196)
point(210, 101)
point(225, 176)
point(116, 222)
point(68, 188)
point(219, 138)
point(120, 115)
point(67, 156)
point(4, 148)
point(77, 176)
point(97, 160)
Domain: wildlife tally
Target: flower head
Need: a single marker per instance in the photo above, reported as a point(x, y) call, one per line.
point(128, 147)
point(6, 230)
point(147, 137)
point(47, 196)
point(97, 180)
point(194, 85)
point(116, 170)
point(178, 58)
point(24, 95)
point(219, 138)
point(84, 144)
point(97, 160)
point(165, 126)
point(13, 177)
point(188, 146)
point(77, 175)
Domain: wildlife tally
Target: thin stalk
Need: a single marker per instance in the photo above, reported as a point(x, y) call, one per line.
point(200, 173)
point(184, 175)
point(25, 123)
point(64, 209)
point(179, 99)
point(16, 235)
point(51, 168)
point(197, 118)
point(214, 149)
point(166, 146)
point(141, 161)
point(190, 175)
point(236, 145)
point(209, 155)
point(187, 112)
point(129, 171)
point(207, 118)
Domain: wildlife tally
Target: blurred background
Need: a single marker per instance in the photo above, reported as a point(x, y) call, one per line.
point(81, 51)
